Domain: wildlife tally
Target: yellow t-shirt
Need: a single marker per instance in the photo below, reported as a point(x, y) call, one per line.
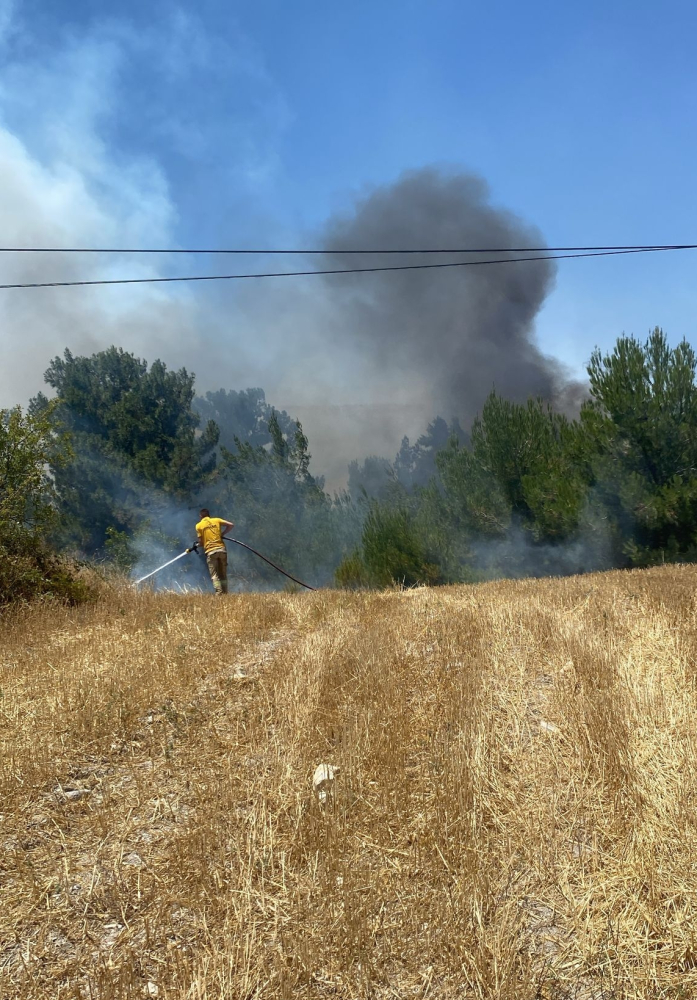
point(209, 532)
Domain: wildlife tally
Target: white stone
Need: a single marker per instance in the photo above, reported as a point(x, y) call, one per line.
point(76, 793)
point(324, 773)
point(323, 779)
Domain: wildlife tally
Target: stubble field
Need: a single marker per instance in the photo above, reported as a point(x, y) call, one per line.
point(513, 816)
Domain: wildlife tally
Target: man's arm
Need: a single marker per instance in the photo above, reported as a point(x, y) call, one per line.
point(226, 526)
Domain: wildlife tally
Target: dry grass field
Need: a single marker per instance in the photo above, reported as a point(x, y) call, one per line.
point(514, 814)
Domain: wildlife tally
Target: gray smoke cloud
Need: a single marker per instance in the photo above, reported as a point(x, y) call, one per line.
point(456, 332)
point(383, 354)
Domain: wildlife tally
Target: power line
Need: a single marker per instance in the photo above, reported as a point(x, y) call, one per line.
point(350, 270)
point(338, 250)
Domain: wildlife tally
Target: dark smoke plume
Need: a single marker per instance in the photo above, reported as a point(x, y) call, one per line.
point(449, 336)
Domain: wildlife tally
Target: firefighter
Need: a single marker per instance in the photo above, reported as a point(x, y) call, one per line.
point(211, 531)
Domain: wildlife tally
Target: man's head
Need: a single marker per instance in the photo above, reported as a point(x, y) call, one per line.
point(204, 512)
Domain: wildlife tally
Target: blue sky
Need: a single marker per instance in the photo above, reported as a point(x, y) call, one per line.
point(223, 123)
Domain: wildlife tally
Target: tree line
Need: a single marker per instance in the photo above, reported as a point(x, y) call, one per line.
point(113, 467)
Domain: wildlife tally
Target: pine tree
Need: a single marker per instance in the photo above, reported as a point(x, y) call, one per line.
point(640, 446)
point(520, 467)
point(134, 437)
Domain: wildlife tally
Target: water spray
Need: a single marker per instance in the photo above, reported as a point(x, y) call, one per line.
point(163, 566)
point(225, 539)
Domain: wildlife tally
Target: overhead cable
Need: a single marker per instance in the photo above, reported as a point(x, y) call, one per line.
point(327, 271)
point(340, 251)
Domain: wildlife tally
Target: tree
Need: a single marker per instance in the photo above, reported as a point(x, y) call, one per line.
point(28, 567)
point(27, 491)
point(134, 437)
point(521, 468)
point(244, 415)
point(640, 446)
point(373, 477)
point(392, 551)
point(415, 464)
point(141, 415)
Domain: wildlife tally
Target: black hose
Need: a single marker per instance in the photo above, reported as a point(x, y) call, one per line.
point(244, 545)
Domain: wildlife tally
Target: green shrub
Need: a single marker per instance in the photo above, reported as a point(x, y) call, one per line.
point(391, 552)
point(28, 568)
point(29, 571)
point(351, 573)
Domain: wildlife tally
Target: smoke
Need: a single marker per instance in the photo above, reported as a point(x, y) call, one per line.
point(375, 356)
point(451, 334)
point(518, 556)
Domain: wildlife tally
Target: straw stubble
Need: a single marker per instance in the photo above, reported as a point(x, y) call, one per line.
point(512, 813)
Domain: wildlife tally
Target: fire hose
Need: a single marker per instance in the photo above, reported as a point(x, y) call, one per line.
point(225, 539)
point(245, 546)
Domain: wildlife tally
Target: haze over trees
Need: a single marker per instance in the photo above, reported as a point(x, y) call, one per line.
point(116, 464)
